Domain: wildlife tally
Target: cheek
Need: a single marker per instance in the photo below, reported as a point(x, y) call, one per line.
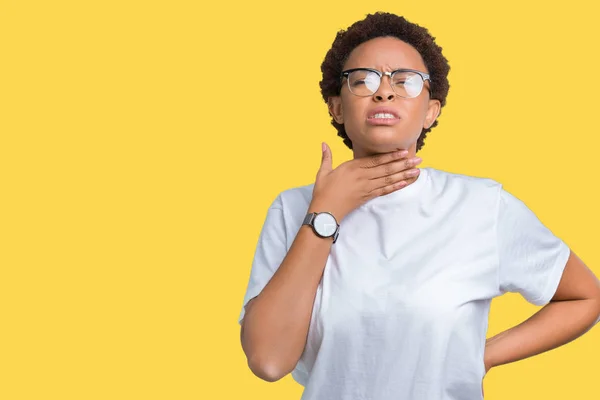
point(353, 114)
point(417, 114)
point(418, 110)
point(351, 109)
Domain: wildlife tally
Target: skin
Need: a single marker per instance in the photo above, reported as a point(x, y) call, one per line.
point(575, 307)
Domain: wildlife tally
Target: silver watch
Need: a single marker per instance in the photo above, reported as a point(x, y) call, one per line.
point(323, 224)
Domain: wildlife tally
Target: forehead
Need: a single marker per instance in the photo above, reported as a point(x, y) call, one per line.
point(385, 53)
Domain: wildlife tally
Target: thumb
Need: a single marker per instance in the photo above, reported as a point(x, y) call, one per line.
point(326, 159)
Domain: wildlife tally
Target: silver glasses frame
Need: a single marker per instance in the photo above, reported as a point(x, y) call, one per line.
point(423, 75)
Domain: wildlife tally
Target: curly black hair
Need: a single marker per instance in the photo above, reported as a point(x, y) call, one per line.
point(377, 25)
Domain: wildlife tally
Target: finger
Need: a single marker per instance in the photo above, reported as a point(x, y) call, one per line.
point(392, 179)
point(387, 189)
point(326, 159)
point(379, 159)
point(393, 167)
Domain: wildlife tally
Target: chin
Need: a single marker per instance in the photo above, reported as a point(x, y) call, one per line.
point(385, 144)
point(375, 148)
point(382, 140)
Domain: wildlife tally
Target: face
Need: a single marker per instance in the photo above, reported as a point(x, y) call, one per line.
point(370, 136)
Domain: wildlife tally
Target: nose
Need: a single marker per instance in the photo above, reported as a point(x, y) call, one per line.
point(385, 90)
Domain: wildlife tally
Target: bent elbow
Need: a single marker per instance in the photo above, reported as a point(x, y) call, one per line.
point(266, 371)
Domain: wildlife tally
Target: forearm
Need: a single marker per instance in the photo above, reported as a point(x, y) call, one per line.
point(557, 323)
point(276, 325)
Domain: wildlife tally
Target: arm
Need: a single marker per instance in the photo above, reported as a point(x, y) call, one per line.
point(275, 326)
point(574, 309)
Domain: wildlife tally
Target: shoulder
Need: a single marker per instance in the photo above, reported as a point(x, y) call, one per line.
point(294, 200)
point(441, 178)
point(463, 187)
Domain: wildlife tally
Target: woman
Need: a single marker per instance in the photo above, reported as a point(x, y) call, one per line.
point(375, 282)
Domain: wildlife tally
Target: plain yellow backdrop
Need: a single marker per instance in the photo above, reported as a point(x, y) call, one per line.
point(143, 141)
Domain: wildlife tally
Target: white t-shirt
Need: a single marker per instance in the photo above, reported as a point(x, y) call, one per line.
point(401, 311)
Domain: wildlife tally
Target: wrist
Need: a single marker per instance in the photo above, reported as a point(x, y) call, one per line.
point(488, 365)
point(488, 360)
point(318, 207)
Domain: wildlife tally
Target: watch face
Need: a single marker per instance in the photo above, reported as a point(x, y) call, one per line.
point(325, 224)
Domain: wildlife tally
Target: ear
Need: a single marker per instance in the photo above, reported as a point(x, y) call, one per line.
point(433, 111)
point(334, 103)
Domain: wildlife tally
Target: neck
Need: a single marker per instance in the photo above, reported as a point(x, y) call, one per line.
point(412, 150)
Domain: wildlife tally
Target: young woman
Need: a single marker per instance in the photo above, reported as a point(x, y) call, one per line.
point(375, 282)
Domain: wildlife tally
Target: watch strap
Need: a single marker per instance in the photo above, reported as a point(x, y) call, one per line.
point(308, 219)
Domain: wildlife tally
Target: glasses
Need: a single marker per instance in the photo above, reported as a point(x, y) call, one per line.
point(406, 83)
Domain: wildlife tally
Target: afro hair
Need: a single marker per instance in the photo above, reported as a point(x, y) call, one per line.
point(382, 24)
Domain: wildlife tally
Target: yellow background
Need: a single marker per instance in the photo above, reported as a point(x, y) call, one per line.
point(142, 142)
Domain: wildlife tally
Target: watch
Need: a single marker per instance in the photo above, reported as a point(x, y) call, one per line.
point(323, 224)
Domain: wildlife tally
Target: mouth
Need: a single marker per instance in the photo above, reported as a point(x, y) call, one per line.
point(383, 119)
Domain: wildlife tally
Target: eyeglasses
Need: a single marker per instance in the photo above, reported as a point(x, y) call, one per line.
point(406, 83)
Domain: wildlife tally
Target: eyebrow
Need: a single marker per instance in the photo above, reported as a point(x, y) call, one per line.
point(392, 70)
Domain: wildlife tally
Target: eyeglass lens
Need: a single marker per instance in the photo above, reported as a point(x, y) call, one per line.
point(366, 83)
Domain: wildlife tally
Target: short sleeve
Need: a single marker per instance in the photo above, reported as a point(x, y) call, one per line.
point(531, 258)
point(270, 252)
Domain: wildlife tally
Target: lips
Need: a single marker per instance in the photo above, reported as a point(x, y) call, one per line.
point(383, 110)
